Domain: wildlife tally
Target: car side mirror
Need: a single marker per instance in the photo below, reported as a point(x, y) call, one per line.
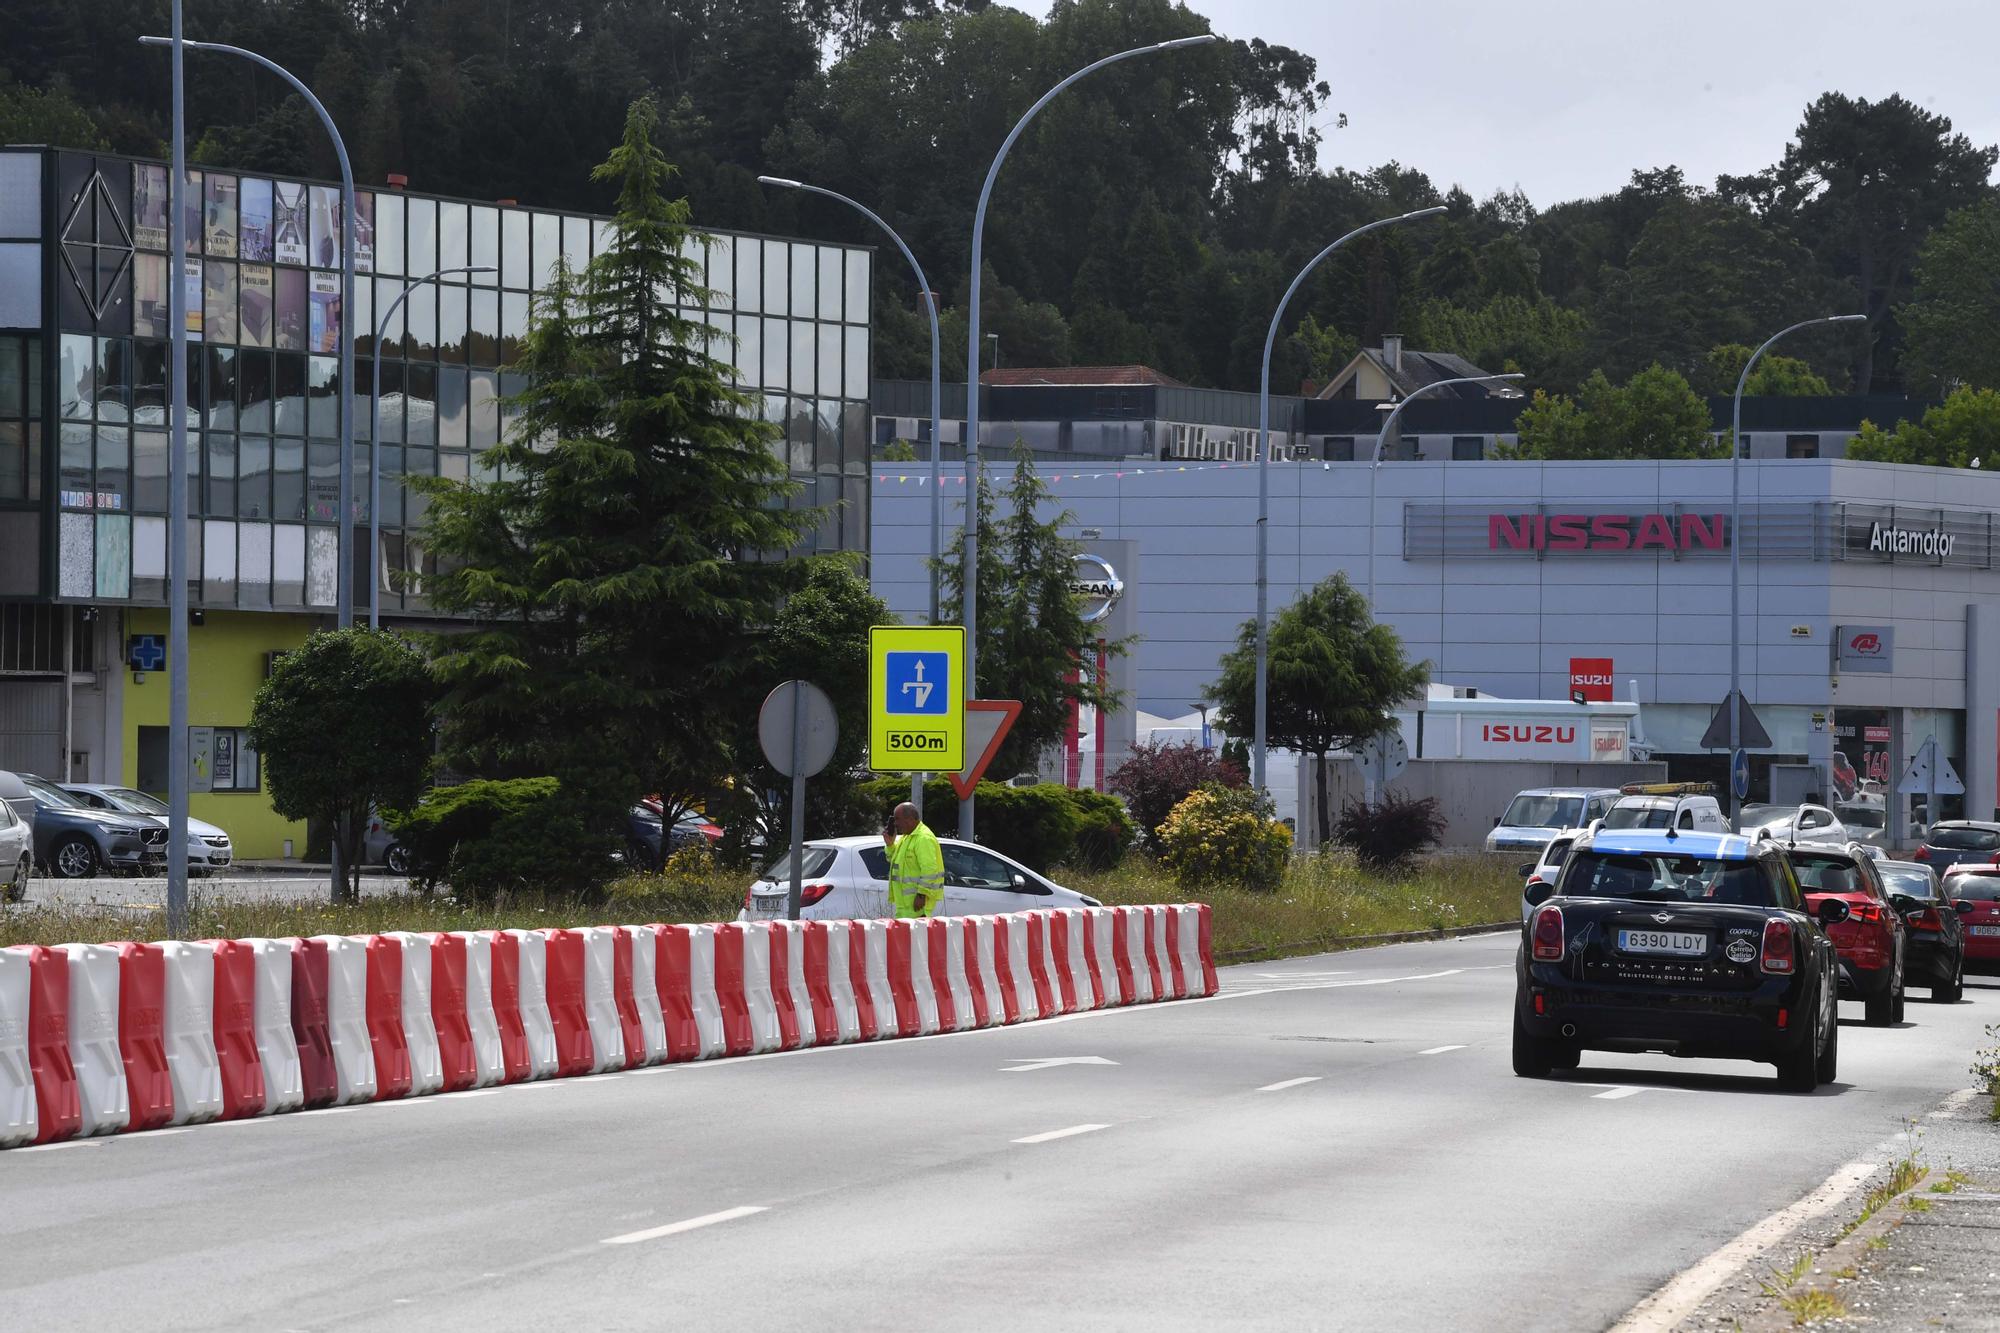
point(1537, 894)
point(1964, 906)
point(1525, 869)
point(1496, 821)
point(1833, 911)
point(1020, 880)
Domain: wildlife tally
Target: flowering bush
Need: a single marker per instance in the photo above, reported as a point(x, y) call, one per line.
point(1158, 777)
point(1225, 835)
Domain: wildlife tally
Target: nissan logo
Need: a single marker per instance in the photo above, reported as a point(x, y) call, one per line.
point(1096, 585)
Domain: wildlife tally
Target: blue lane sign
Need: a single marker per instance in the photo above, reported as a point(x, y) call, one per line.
point(146, 652)
point(916, 684)
point(1739, 774)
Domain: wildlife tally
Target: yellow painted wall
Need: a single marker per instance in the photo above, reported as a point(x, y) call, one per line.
point(225, 667)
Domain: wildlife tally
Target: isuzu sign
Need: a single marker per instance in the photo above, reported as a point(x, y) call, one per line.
point(1865, 648)
point(1526, 738)
point(1607, 532)
point(1591, 677)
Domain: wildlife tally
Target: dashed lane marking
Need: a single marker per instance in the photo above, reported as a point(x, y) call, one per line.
point(1290, 1083)
point(676, 1228)
point(1440, 1050)
point(1061, 1133)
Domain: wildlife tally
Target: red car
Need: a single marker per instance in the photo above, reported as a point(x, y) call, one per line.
point(1872, 940)
point(1978, 886)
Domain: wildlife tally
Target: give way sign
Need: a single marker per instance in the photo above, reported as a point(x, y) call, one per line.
point(987, 722)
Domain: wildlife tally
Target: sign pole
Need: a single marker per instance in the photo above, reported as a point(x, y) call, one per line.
point(796, 696)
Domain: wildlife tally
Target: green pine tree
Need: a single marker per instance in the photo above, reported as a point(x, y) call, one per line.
point(616, 550)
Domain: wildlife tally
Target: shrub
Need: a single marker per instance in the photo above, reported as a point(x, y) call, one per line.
point(1225, 835)
point(1104, 830)
point(1392, 832)
point(1042, 826)
point(518, 836)
point(1159, 777)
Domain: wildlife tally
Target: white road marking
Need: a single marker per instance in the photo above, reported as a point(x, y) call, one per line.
point(1615, 1094)
point(1061, 1133)
point(1440, 1050)
point(1300, 976)
point(1289, 1083)
point(327, 1110)
point(1029, 1066)
point(676, 1228)
point(66, 1143)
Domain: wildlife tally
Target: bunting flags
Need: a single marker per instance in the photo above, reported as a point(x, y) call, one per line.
point(1055, 479)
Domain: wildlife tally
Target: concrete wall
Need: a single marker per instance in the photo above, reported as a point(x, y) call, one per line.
point(1472, 792)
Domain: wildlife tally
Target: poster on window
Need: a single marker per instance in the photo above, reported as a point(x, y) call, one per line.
point(191, 210)
point(149, 296)
point(325, 332)
point(149, 207)
point(191, 293)
point(254, 230)
point(289, 224)
point(223, 760)
point(218, 217)
point(290, 333)
point(218, 283)
point(364, 233)
point(257, 302)
point(325, 226)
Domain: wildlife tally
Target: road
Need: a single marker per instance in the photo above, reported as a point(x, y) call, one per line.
point(261, 883)
point(1335, 1142)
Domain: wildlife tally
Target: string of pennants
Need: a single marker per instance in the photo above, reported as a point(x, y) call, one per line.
point(958, 479)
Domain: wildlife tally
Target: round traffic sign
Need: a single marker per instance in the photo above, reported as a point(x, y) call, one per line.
point(1739, 774)
point(815, 728)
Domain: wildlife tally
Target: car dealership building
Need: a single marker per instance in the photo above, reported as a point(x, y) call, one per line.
point(1870, 592)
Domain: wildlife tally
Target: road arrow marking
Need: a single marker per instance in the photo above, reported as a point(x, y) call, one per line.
point(1031, 1065)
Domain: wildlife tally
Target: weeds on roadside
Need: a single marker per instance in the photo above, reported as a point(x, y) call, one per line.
point(1812, 1307)
point(1905, 1173)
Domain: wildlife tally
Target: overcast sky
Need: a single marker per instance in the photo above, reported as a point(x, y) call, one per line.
point(1566, 97)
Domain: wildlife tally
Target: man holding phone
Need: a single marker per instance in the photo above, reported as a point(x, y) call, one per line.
point(916, 864)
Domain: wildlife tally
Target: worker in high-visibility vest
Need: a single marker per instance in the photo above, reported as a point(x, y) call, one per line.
point(916, 866)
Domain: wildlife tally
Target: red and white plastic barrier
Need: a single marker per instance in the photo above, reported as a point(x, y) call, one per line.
point(99, 1039)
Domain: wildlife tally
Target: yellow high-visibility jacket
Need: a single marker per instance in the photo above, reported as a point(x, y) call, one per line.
point(916, 866)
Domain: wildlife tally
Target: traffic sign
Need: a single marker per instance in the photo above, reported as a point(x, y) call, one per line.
point(1919, 779)
point(1752, 737)
point(818, 729)
point(987, 722)
point(916, 699)
point(1739, 774)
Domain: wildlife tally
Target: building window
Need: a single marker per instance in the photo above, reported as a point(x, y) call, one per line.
point(1802, 446)
point(232, 760)
point(1340, 448)
point(1467, 448)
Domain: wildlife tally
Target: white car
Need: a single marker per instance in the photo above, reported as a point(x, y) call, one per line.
point(1686, 807)
point(1539, 813)
point(208, 846)
point(17, 854)
point(1546, 870)
point(844, 878)
point(1795, 823)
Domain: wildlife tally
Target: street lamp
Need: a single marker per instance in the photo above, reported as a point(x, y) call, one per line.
point(1736, 555)
point(937, 432)
point(1264, 483)
point(375, 434)
point(1381, 441)
point(972, 349)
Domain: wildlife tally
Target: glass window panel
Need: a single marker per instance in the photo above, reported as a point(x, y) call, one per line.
point(218, 561)
point(322, 566)
point(392, 486)
point(454, 239)
point(826, 434)
point(288, 395)
point(601, 239)
point(777, 284)
point(392, 329)
point(253, 485)
point(149, 558)
point(422, 253)
point(218, 219)
point(722, 271)
point(149, 296)
point(513, 326)
point(421, 319)
point(255, 298)
point(514, 270)
point(451, 407)
point(390, 394)
point(798, 422)
point(749, 274)
point(114, 379)
point(195, 473)
point(221, 476)
point(451, 324)
point(253, 392)
point(218, 302)
point(482, 344)
point(77, 384)
point(512, 385)
point(323, 323)
point(804, 378)
point(856, 362)
point(322, 482)
point(326, 236)
point(828, 359)
point(149, 206)
point(484, 248)
point(73, 475)
point(291, 327)
point(253, 238)
point(576, 243)
point(13, 460)
point(191, 213)
point(829, 282)
point(13, 378)
point(548, 248)
point(857, 286)
point(323, 400)
point(291, 223)
point(458, 467)
point(804, 281)
point(288, 565)
point(483, 412)
point(191, 295)
point(364, 232)
point(774, 355)
point(114, 556)
point(76, 576)
point(253, 563)
point(114, 468)
point(389, 211)
point(420, 404)
point(854, 437)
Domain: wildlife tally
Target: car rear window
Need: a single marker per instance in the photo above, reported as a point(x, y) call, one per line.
point(1911, 883)
point(1965, 839)
point(818, 860)
point(1639, 816)
point(1543, 812)
point(1662, 878)
point(1861, 816)
point(1979, 888)
point(1828, 874)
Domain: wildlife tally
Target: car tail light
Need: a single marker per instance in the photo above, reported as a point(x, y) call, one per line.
point(1549, 935)
point(1927, 919)
point(1780, 947)
point(812, 893)
point(1921, 854)
point(1868, 913)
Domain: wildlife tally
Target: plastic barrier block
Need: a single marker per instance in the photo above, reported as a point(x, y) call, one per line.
point(946, 949)
point(544, 1053)
point(1100, 947)
point(1039, 970)
point(643, 947)
point(1197, 960)
point(729, 991)
point(483, 1024)
point(780, 944)
point(418, 1027)
point(188, 1028)
point(868, 971)
point(509, 1010)
point(625, 994)
point(765, 1034)
point(827, 986)
point(673, 972)
point(1155, 930)
point(600, 998)
point(1010, 966)
point(319, 1075)
point(17, 1076)
point(1175, 970)
point(1064, 946)
point(271, 1024)
point(788, 983)
point(1204, 949)
point(347, 1018)
point(1121, 987)
point(236, 1029)
point(387, 1040)
point(567, 1015)
point(93, 1039)
point(982, 975)
point(451, 1018)
point(904, 958)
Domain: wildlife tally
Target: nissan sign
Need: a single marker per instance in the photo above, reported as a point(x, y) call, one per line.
point(1865, 648)
point(1097, 587)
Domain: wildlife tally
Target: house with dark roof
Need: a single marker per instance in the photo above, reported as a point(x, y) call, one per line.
point(1392, 372)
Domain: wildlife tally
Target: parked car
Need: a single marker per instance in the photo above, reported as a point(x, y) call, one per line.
point(1539, 813)
point(1950, 841)
point(1934, 952)
point(73, 841)
point(1682, 806)
point(1975, 891)
point(16, 794)
point(1690, 944)
point(849, 877)
point(693, 827)
point(209, 848)
point(1794, 823)
point(379, 847)
point(1865, 822)
point(1546, 870)
point(1872, 938)
point(17, 854)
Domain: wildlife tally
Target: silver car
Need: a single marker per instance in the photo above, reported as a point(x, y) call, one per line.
point(208, 846)
point(17, 854)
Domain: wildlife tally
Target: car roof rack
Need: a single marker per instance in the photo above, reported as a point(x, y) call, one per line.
point(1667, 789)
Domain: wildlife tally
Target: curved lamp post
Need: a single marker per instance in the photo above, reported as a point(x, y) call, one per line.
point(937, 434)
point(375, 434)
point(1264, 483)
point(1736, 553)
point(1381, 440)
point(972, 347)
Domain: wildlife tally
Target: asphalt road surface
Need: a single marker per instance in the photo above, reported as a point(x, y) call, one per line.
point(240, 884)
point(1335, 1142)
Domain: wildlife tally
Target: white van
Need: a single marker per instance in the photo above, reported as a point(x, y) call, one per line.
point(1685, 807)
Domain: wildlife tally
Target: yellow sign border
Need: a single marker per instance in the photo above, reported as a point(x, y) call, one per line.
point(883, 756)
